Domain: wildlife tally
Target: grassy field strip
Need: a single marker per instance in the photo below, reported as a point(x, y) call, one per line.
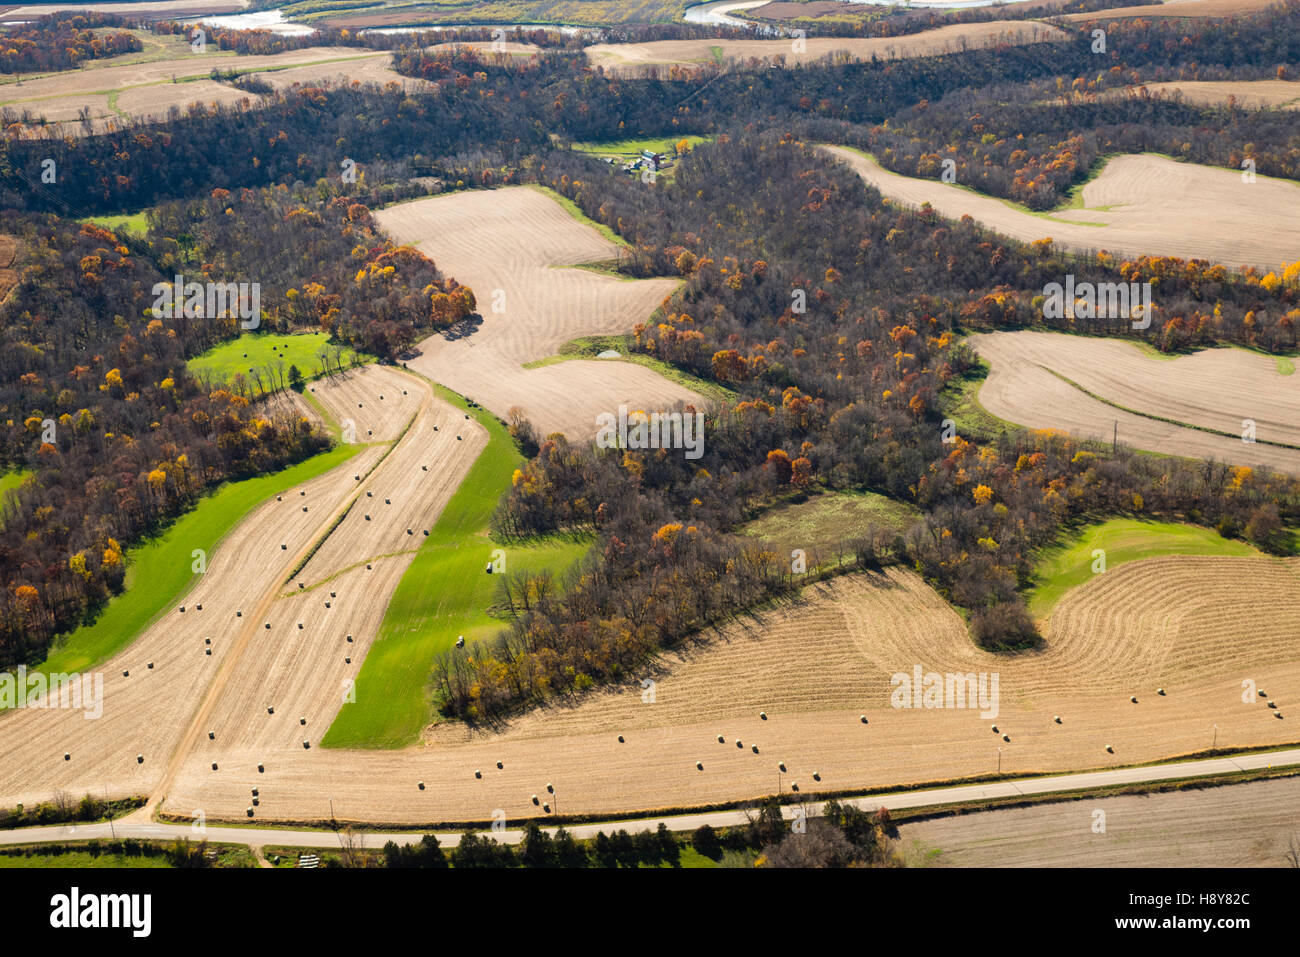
point(165, 561)
point(1161, 418)
point(1064, 566)
point(261, 350)
point(444, 594)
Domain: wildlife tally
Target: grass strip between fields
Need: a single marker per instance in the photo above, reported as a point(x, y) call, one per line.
point(445, 593)
point(165, 562)
point(1070, 563)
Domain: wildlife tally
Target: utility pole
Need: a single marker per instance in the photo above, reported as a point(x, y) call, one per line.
point(999, 760)
point(1216, 738)
point(1114, 443)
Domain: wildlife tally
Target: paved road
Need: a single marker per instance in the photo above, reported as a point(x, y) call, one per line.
point(137, 825)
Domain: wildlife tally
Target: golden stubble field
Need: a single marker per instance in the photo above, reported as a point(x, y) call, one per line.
point(513, 247)
point(161, 713)
point(1216, 389)
point(637, 57)
point(1246, 825)
point(1195, 627)
point(1140, 204)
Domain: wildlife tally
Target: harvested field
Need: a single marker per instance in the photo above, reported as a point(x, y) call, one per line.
point(1247, 94)
point(1242, 825)
point(376, 69)
point(149, 9)
point(813, 668)
point(297, 671)
point(1177, 8)
point(636, 57)
point(509, 245)
point(1140, 204)
point(149, 88)
point(1212, 389)
point(145, 712)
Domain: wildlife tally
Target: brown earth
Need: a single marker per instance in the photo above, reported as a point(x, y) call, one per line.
point(1140, 204)
point(1243, 825)
point(1192, 626)
point(1214, 388)
point(635, 57)
point(511, 246)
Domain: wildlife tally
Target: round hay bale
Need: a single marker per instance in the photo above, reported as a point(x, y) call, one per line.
point(347, 661)
point(67, 756)
point(207, 651)
point(367, 518)
point(304, 508)
point(302, 585)
point(149, 666)
point(332, 595)
point(1134, 699)
point(261, 769)
point(388, 501)
point(781, 766)
point(620, 739)
point(302, 720)
point(306, 744)
point(550, 788)
point(248, 811)
point(424, 468)
point(1006, 737)
point(198, 607)
point(699, 765)
point(754, 749)
point(368, 567)
point(794, 786)
point(1161, 692)
point(738, 744)
point(546, 808)
point(1272, 704)
point(256, 802)
point(268, 626)
point(1277, 714)
point(863, 718)
point(478, 774)
point(214, 765)
point(270, 710)
point(239, 614)
point(349, 637)
point(1109, 749)
point(255, 792)
point(139, 759)
point(500, 766)
point(370, 495)
point(126, 674)
point(817, 776)
point(328, 605)
point(421, 785)
point(536, 800)
point(1263, 694)
point(212, 735)
point(303, 493)
point(284, 547)
point(1056, 718)
point(300, 626)
point(995, 729)
point(763, 715)
point(721, 740)
point(207, 641)
point(182, 609)
point(426, 533)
